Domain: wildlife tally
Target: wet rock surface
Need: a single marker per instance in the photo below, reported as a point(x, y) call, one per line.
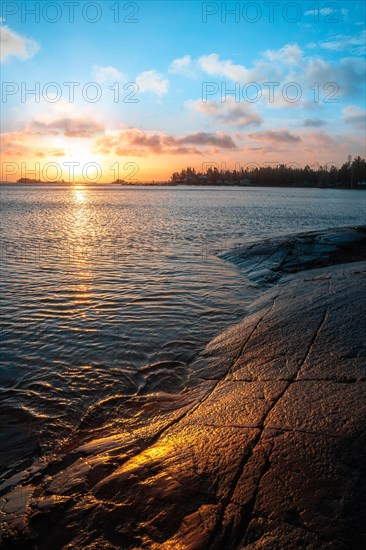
point(269, 260)
point(264, 449)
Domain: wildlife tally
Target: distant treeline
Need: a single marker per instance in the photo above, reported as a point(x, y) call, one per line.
point(351, 174)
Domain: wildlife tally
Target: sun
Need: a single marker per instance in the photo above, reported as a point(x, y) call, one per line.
point(82, 154)
point(81, 164)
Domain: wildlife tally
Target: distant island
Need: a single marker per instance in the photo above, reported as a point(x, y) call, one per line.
point(30, 180)
point(352, 174)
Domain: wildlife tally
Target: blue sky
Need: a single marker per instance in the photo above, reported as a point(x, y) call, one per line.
point(170, 52)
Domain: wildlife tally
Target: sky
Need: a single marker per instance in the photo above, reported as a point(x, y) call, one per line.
point(98, 91)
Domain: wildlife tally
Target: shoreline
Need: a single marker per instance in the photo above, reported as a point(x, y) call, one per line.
point(179, 186)
point(276, 401)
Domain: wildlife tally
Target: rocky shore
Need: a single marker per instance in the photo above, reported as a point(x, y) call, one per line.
point(265, 448)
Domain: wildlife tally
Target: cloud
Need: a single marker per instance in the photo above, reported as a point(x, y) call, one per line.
point(341, 42)
point(152, 81)
point(130, 152)
point(56, 153)
point(220, 139)
point(75, 115)
point(182, 65)
point(214, 66)
point(347, 74)
point(280, 69)
point(135, 142)
point(319, 146)
point(307, 146)
point(51, 153)
point(289, 54)
point(228, 112)
point(105, 74)
point(327, 11)
point(16, 45)
point(23, 144)
point(314, 122)
point(273, 136)
point(69, 127)
point(13, 143)
point(352, 114)
point(262, 69)
point(320, 140)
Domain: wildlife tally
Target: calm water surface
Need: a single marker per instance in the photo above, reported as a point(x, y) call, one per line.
point(99, 283)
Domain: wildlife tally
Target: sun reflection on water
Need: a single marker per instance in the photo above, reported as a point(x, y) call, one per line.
point(81, 251)
point(79, 195)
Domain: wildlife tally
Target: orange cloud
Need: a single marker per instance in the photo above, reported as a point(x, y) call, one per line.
point(12, 143)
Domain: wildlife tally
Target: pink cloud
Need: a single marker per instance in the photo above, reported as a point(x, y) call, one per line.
point(135, 142)
point(273, 136)
point(69, 127)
